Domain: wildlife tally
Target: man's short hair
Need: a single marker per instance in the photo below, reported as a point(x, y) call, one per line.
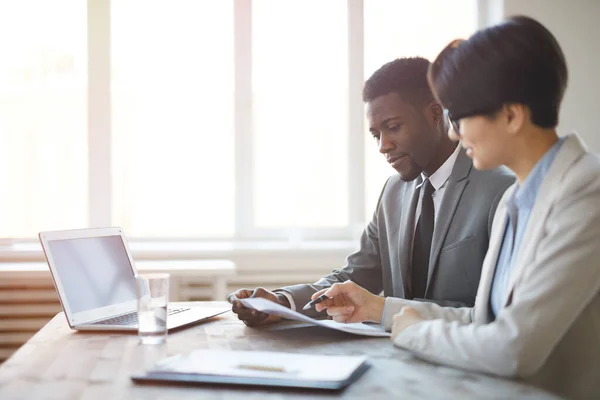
point(405, 76)
point(518, 61)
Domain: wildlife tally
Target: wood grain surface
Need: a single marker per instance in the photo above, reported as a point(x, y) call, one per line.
point(58, 363)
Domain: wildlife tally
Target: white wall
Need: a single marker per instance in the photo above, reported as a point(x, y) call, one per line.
point(576, 25)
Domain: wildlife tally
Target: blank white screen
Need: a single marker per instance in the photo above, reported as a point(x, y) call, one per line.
point(94, 272)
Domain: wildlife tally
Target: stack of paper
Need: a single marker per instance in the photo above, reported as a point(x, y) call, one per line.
point(269, 307)
point(263, 364)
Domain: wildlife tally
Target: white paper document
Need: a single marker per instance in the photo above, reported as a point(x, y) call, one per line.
point(269, 307)
point(262, 364)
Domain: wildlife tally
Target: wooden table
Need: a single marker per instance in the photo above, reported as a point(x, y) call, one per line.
point(58, 363)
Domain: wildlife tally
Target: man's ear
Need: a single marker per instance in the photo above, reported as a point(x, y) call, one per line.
point(435, 113)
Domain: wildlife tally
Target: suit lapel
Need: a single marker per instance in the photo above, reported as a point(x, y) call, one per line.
point(570, 151)
point(488, 271)
point(406, 234)
point(455, 186)
point(531, 235)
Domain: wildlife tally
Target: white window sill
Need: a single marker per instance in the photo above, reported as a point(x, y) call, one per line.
point(152, 250)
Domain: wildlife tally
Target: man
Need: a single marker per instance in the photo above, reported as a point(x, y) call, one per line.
point(430, 230)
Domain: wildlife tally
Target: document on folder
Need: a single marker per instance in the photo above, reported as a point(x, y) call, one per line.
point(269, 307)
point(263, 368)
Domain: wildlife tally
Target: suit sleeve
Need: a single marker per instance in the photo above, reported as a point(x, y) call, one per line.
point(551, 293)
point(363, 267)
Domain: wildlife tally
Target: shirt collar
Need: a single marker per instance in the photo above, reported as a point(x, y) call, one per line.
point(525, 195)
point(441, 175)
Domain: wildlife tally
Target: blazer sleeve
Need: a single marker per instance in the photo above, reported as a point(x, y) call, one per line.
point(363, 267)
point(429, 310)
point(444, 303)
point(551, 293)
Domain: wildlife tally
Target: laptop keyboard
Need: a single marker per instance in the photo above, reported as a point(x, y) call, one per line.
point(132, 318)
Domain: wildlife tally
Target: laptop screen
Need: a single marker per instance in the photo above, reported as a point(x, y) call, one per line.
point(94, 272)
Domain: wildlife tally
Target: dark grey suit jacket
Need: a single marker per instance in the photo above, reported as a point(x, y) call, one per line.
point(382, 263)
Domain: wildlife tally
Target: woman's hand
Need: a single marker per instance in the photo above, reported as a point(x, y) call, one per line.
point(349, 302)
point(406, 317)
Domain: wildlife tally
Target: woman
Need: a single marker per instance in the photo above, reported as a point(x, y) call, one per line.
point(537, 312)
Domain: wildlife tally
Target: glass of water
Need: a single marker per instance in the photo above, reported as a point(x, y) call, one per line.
point(152, 300)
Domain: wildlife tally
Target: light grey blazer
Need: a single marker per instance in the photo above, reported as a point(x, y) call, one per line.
point(382, 262)
point(548, 332)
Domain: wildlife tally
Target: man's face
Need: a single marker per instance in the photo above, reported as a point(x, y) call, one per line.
point(406, 135)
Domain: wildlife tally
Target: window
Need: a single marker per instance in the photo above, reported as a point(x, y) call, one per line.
point(300, 102)
point(43, 97)
point(172, 117)
point(213, 119)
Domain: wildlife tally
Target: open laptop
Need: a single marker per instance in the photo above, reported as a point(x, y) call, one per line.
point(94, 275)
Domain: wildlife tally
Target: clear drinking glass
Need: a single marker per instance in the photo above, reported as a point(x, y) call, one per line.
point(153, 298)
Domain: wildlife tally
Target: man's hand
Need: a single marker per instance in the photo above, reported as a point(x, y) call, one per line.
point(252, 317)
point(406, 317)
point(349, 302)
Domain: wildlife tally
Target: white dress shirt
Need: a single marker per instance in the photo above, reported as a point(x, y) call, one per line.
point(438, 180)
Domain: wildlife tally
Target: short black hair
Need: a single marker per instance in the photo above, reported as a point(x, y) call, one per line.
point(405, 76)
point(518, 61)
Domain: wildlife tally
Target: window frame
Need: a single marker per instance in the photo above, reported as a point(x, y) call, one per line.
point(99, 128)
point(245, 231)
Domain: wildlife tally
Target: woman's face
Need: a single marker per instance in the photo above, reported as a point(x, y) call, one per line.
point(484, 138)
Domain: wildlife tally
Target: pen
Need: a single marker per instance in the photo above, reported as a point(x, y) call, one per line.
point(312, 303)
point(261, 368)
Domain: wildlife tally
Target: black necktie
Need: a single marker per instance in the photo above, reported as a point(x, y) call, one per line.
point(422, 242)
